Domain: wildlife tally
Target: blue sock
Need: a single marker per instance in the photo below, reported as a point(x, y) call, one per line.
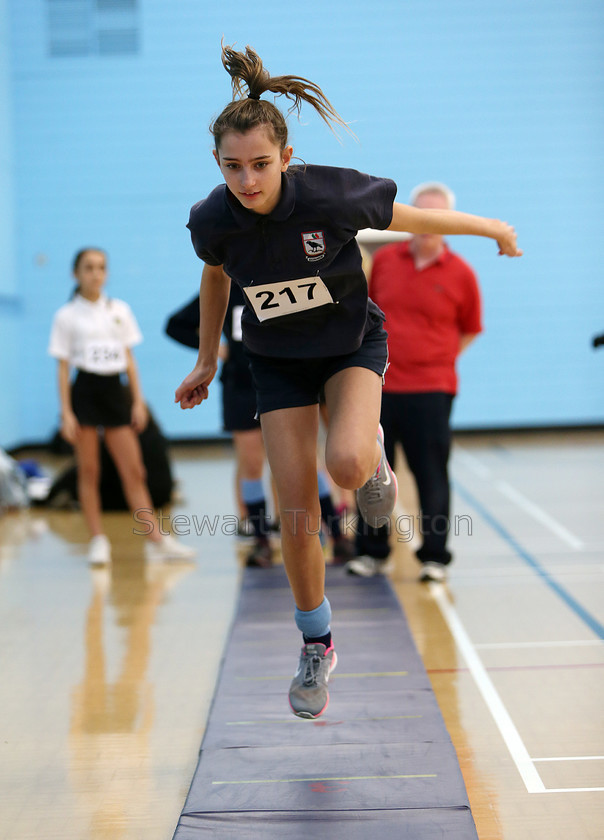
point(314, 624)
point(252, 494)
point(252, 489)
point(324, 488)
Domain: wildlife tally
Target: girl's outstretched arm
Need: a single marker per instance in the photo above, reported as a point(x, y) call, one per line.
point(416, 220)
point(139, 413)
point(70, 427)
point(213, 300)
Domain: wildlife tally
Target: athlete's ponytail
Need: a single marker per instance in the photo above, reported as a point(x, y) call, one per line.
point(250, 80)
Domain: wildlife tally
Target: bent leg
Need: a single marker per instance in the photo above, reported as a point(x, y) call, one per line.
point(353, 398)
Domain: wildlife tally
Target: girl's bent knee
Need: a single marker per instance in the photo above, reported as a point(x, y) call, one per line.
point(349, 471)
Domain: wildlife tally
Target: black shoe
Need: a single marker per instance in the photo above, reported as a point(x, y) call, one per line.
point(343, 550)
point(261, 555)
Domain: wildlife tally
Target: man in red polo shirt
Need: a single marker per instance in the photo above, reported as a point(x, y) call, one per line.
point(432, 304)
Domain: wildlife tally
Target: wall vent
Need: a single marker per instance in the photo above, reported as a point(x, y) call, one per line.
point(79, 28)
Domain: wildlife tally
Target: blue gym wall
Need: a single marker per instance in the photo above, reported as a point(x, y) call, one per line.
point(105, 107)
point(10, 303)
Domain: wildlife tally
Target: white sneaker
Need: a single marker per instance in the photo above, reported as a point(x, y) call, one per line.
point(167, 548)
point(99, 551)
point(433, 572)
point(366, 566)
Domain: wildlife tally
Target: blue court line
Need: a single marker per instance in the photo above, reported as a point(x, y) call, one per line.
point(568, 599)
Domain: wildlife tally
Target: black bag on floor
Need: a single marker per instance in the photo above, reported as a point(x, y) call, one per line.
point(64, 490)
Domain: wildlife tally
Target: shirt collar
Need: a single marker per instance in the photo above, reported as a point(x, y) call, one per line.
point(79, 300)
point(440, 259)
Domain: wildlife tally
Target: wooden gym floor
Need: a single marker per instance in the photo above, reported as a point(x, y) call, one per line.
point(106, 675)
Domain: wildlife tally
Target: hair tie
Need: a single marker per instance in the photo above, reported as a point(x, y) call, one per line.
point(253, 96)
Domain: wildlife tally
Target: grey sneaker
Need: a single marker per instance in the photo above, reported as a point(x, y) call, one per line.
point(366, 566)
point(433, 572)
point(308, 695)
point(377, 497)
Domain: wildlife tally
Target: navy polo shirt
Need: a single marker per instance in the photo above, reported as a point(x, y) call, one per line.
point(311, 232)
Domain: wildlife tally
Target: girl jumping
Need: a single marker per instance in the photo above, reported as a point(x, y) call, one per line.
point(286, 235)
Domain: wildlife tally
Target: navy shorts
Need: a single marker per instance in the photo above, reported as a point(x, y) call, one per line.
point(238, 406)
point(290, 383)
point(100, 400)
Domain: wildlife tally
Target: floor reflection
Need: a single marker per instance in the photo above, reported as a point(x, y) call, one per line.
point(113, 705)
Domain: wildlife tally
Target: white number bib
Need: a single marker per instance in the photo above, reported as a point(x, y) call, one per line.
point(104, 356)
point(276, 299)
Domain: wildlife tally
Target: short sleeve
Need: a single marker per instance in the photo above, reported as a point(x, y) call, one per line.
point(470, 313)
point(131, 333)
point(201, 224)
point(362, 201)
point(202, 252)
point(183, 325)
point(59, 345)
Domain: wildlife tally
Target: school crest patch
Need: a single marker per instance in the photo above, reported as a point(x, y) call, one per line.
point(314, 245)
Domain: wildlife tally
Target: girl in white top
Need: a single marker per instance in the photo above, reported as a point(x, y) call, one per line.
point(95, 335)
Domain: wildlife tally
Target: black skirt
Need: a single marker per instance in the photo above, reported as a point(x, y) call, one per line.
point(100, 400)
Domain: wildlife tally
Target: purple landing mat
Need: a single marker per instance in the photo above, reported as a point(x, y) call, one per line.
point(378, 764)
